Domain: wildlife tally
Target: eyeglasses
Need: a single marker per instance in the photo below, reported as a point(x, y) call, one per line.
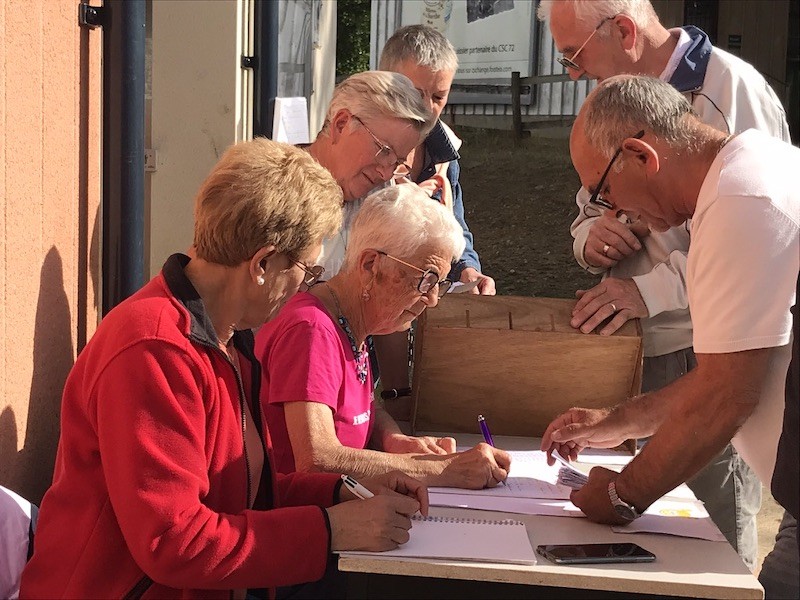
point(569, 63)
point(596, 197)
point(386, 156)
point(312, 274)
point(429, 277)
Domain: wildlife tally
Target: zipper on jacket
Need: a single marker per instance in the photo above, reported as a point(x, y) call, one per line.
point(138, 590)
point(242, 400)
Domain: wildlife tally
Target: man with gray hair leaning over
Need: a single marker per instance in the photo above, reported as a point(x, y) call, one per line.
point(374, 120)
point(645, 271)
point(634, 138)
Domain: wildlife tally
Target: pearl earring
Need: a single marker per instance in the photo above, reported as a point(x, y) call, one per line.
point(260, 280)
point(365, 295)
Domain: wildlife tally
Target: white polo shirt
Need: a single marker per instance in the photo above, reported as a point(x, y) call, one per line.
point(742, 271)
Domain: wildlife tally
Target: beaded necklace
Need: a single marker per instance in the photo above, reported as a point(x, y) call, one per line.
point(359, 353)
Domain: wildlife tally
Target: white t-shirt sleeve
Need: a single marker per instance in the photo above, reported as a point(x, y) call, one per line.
point(743, 266)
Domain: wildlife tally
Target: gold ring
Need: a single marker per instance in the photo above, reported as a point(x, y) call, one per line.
point(613, 307)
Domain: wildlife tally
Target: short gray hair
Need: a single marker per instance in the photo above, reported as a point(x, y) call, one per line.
point(376, 94)
point(621, 106)
point(399, 220)
point(423, 45)
point(592, 12)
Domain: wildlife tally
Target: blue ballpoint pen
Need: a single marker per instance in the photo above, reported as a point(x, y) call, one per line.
point(487, 435)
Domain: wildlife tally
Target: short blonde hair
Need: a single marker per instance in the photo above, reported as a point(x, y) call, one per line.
point(264, 193)
point(381, 94)
point(400, 220)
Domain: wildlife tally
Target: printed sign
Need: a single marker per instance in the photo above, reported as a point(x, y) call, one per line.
point(492, 37)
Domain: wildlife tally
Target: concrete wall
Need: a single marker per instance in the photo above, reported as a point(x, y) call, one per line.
point(50, 195)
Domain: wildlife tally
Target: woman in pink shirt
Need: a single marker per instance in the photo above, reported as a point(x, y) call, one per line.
point(316, 392)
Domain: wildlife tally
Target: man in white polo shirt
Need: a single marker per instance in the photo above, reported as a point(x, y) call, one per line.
point(639, 148)
point(645, 271)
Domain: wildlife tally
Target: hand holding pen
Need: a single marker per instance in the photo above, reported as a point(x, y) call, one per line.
point(487, 437)
point(358, 490)
point(393, 483)
point(383, 520)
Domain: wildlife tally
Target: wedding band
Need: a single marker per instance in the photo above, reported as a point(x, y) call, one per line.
point(605, 250)
point(613, 307)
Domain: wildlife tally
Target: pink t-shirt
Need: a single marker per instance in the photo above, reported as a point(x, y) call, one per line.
point(306, 357)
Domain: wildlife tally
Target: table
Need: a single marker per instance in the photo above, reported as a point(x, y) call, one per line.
point(683, 567)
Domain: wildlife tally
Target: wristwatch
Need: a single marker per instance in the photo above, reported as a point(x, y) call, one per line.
point(622, 508)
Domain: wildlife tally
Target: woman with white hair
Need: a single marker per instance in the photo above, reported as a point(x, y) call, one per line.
point(316, 394)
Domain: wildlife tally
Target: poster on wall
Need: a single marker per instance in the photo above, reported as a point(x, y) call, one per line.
point(492, 37)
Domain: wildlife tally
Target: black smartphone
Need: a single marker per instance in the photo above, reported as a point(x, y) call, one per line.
point(575, 554)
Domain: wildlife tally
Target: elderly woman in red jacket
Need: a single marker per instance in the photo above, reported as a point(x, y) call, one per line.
point(164, 485)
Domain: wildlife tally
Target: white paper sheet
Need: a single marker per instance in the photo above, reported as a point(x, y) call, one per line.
point(675, 517)
point(603, 456)
point(665, 516)
point(521, 506)
point(290, 121)
point(530, 477)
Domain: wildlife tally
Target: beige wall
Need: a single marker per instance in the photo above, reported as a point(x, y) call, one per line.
point(196, 107)
point(323, 66)
point(50, 191)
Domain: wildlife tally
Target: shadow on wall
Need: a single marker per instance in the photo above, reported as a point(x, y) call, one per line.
point(30, 470)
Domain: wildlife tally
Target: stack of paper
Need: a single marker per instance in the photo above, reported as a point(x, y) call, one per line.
point(572, 478)
point(535, 488)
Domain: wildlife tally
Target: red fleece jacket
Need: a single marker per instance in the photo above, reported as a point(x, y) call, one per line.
point(151, 476)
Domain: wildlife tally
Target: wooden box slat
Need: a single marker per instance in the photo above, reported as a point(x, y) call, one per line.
point(517, 361)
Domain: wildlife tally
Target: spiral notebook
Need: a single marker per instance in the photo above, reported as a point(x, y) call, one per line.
point(453, 538)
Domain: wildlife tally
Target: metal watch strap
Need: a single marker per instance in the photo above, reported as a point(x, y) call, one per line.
point(622, 508)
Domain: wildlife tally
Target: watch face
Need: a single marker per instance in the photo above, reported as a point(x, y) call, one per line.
point(626, 512)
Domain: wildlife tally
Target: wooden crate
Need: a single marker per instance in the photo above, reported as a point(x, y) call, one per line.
point(518, 362)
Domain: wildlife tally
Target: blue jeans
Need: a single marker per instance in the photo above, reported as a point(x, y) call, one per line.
point(728, 487)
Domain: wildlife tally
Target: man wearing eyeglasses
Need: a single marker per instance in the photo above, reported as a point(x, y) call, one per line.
point(638, 142)
point(374, 120)
point(644, 270)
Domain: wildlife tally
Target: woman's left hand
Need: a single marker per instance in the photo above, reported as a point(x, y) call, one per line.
point(406, 444)
point(394, 483)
